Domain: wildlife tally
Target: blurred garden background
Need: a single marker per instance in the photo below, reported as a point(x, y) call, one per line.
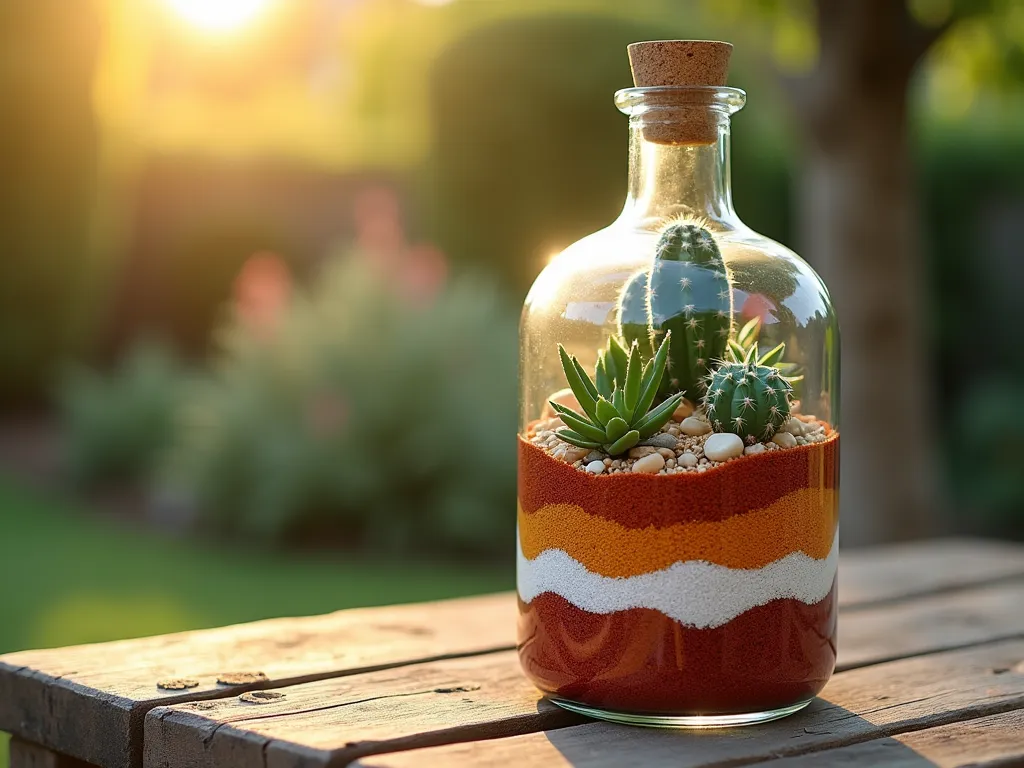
point(262, 262)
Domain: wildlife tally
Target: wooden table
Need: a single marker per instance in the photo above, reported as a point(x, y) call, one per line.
point(931, 672)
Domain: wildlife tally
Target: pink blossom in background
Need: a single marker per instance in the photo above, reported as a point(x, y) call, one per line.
point(378, 224)
point(423, 273)
point(262, 292)
point(418, 271)
point(758, 305)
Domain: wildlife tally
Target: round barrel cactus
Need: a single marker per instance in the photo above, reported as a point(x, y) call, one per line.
point(747, 399)
point(686, 291)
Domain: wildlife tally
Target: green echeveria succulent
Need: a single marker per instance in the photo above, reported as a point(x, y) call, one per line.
point(748, 399)
point(617, 406)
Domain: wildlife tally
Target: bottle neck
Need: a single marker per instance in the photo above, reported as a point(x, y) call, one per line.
point(677, 180)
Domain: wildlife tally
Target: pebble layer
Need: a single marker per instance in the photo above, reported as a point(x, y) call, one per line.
point(686, 437)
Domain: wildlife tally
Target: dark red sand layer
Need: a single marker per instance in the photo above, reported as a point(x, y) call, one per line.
point(642, 662)
point(733, 488)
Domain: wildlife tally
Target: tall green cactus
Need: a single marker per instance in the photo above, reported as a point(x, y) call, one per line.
point(747, 399)
point(686, 290)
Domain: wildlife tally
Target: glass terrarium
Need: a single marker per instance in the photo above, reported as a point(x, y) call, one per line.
point(679, 434)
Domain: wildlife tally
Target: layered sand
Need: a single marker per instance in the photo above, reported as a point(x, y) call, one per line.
point(664, 593)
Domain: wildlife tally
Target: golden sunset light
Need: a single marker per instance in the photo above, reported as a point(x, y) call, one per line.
point(219, 16)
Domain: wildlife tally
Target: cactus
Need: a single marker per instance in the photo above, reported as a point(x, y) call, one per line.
point(618, 413)
point(685, 291)
point(747, 399)
point(744, 349)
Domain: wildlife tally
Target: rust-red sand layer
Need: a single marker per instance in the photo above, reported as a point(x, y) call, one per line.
point(641, 500)
point(642, 662)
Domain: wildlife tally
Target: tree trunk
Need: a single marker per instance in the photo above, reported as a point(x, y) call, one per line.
point(859, 228)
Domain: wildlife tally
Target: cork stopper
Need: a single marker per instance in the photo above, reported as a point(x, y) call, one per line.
point(680, 63)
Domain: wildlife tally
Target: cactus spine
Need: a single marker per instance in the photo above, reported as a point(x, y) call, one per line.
point(747, 399)
point(685, 291)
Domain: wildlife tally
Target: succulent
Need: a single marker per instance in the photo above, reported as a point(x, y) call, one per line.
point(744, 349)
point(685, 291)
point(618, 412)
point(748, 399)
point(612, 362)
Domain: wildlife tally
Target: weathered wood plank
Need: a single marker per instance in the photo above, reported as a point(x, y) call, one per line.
point(27, 755)
point(895, 572)
point(89, 701)
point(996, 741)
point(924, 626)
point(336, 721)
point(939, 622)
point(100, 693)
point(858, 706)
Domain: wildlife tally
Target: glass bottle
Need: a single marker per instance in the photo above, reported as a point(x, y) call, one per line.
point(697, 588)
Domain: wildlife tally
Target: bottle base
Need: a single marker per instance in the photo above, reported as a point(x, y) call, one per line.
point(680, 721)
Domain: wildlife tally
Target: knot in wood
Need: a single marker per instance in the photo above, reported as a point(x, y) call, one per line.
point(241, 678)
point(261, 697)
point(177, 684)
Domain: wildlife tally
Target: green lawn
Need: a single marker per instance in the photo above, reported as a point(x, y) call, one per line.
point(67, 577)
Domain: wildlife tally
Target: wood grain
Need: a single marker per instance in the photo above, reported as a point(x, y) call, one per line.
point(996, 741)
point(939, 622)
point(895, 572)
point(89, 701)
point(336, 721)
point(858, 706)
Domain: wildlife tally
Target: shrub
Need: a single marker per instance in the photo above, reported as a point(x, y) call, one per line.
point(117, 424)
point(366, 415)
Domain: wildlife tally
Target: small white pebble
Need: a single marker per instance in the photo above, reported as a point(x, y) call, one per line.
point(784, 440)
point(670, 463)
point(649, 464)
point(693, 426)
point(607, 462)
point(753, 450)
point(596, 467)
point(688, 460)
point(573, 454)
point(723, 446)
point(794, 426)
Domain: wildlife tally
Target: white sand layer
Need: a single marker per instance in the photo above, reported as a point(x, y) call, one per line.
point(695, 593)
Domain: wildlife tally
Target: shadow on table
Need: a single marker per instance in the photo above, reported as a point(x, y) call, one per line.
point(818, 727)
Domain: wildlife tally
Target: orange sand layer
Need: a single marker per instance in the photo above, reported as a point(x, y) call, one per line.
point(801, 521)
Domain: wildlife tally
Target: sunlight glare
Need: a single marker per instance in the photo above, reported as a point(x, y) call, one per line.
point(219, 15)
